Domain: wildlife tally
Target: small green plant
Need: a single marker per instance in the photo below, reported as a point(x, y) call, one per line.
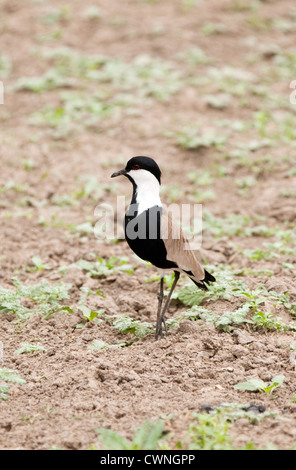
point(147, 437)
point(42, 297)
point(124, 324)
point(225, 288)
point(98, 345)
point(38, 265)
point(126, 86)
point(84, 228)
point(210, 28)
point(12, 186)
point(244, 184)
point(168, 279)
point(194, 56)
point(268, 321)
point(226, 322)
point(29, 348)
point(219, 100)
point(210, 432)
point(8, 376)
point(93, 12)
point(92, 187)
point(201, 197)
point(5, 66)
point(56, 15)
point(254, 385)
point(201, 179)
point(88, 313)
point(28, 164)
point(192, 138)
point(102, 267)
point(235, 411)
point(233, 224)
point(259, 254)
point(51, 80)
point(256, 298)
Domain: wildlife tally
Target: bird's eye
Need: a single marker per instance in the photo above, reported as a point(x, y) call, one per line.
point(136, 167)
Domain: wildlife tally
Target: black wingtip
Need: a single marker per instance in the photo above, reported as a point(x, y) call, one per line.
point(202, 284)
point(209, 277)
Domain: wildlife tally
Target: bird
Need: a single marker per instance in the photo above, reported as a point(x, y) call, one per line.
point(150, 231)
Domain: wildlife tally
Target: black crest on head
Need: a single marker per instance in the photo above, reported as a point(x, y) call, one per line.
point(144, 163)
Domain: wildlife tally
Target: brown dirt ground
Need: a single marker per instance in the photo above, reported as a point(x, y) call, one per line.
point(71, 390)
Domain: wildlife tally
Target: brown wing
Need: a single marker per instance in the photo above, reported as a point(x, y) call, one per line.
point(176, 242)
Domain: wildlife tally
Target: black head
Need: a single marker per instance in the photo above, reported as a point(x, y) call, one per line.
point(140, 163)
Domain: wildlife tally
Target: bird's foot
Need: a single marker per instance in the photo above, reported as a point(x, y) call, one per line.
point(159, 329)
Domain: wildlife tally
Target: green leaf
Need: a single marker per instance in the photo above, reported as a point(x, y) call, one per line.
point(102, 267)
point(4, 390)
point(112, 441)
point(251, 385)
point(88, 313)
point(147, 437)
point(9, 375)
point(38, 263)
point(98, 345)
point(28, 348)
point(258, 384)
point(276, 382)
point(126, 324)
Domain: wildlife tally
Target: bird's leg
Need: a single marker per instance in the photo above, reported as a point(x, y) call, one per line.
point(160, 299)
point(160, 318)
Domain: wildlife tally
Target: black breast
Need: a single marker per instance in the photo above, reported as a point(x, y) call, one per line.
point(142, 232)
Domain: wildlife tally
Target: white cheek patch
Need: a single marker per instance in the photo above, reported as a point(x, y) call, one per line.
point(147, 194)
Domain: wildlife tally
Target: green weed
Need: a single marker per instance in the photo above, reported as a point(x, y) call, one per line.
point(93, 12)
point(29, 348)
point(210, 28)
point(51, 80)
point(38, 265)
point(260, 385)
point(57, 15)
point(102, 267)
point(226, 321)
point(99, 345)
point(124, 87)
point(192, 138)
point(258, 254)
point(227, 287)
point(12, 186)
point(5, 66)
point(87, 312)
point(91, 187)
point(8, 376)
point(42, 297)
point(147, 437)
point(219, 100)
point(125, 324)
point(210, 432)
point(233, 224)
point(194, 56)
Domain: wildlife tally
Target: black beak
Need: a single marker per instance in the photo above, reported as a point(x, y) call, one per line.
point(118, 173)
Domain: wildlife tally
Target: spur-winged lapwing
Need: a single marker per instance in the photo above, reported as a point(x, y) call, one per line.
point(154, 236)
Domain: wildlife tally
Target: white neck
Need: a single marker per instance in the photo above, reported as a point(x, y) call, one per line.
point(147, 192)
